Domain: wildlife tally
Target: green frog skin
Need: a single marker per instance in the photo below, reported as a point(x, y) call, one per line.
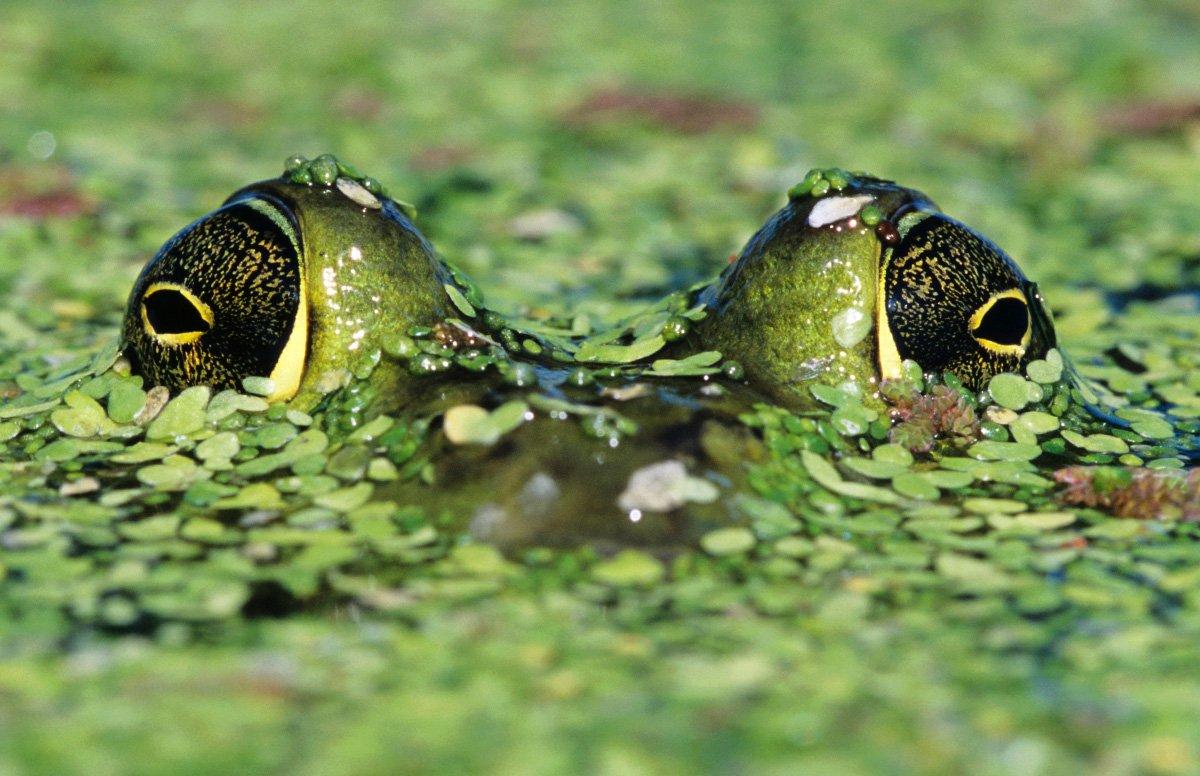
point(320, 282)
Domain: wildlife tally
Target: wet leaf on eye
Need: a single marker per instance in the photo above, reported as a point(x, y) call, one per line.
point(972, 572)
point(143, 452)
point(257, 495)
point(59, 450)
point(834, 397)
point(892, 453)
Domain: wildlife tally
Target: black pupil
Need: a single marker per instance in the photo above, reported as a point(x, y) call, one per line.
point(170, 312)
point(1004, 323)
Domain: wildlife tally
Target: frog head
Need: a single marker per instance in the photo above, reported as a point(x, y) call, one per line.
point(857, 274)
point(291, 279)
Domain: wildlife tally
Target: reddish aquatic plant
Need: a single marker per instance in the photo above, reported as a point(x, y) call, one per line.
point(923, 419)
point(1144, 494)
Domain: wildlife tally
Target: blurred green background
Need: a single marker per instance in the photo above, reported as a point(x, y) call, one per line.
point(667, 131)
point(588, 156)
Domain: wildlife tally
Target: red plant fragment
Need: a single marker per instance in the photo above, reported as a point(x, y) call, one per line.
point(923, 419)
point(1144, 494)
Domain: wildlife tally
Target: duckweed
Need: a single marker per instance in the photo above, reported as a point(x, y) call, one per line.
point(206, 583)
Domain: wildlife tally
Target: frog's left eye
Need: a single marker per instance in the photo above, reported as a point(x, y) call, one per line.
point(952, 301)
point(224, 300)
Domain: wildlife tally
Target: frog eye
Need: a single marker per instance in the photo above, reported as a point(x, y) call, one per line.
point(223, 300)
point(173, 315)
point(1002, 324)
point(952, 301)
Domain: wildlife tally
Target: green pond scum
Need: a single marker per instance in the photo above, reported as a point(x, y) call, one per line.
point(580, 460)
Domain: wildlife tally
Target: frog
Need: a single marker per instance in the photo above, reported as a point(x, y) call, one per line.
point(319, 286)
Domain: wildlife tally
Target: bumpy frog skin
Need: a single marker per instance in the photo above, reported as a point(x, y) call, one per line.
point(320, 282)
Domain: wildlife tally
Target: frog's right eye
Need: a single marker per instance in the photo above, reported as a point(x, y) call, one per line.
point(224, 300)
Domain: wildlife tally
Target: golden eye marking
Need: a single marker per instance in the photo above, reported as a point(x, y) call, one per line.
point(173, 315)
point(290, 366)
point(978, 317)
point(890, 364)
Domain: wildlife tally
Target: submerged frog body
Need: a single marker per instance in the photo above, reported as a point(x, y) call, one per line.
point(320, 282)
